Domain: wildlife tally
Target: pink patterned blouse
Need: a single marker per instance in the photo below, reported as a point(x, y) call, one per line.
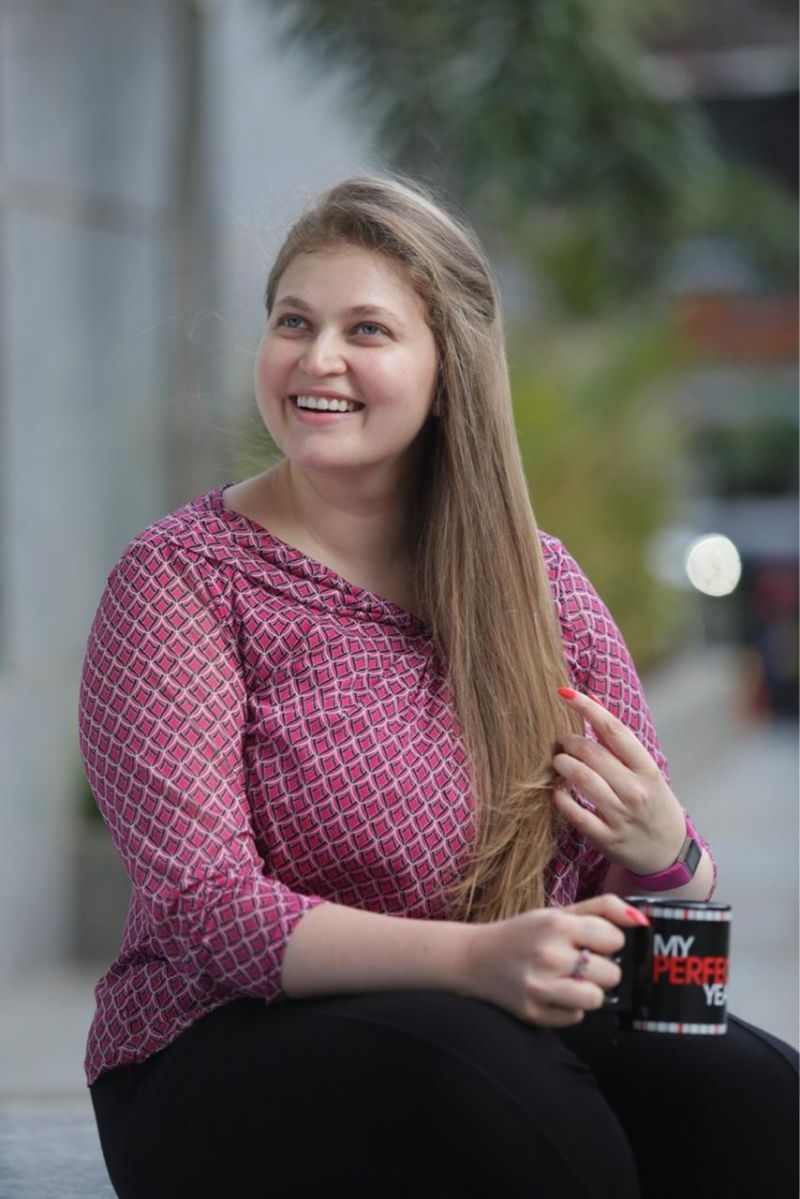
point(260, 736)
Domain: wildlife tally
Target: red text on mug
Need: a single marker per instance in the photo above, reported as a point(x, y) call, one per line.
point(674, 963)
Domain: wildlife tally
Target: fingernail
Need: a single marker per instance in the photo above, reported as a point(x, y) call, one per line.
point(638, 916)
point(567, 692)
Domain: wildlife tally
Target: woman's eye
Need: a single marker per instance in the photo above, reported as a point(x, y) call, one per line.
point(291, 320)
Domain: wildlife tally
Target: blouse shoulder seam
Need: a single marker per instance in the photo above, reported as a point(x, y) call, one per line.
point(161, 541)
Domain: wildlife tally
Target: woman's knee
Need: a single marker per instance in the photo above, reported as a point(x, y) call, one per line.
point(489, 1103)
point(517, 1103)
point(726, 1106)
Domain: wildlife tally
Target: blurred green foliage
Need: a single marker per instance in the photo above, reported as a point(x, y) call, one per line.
point(733, 200)
point(516, 105)
point(599, 453)
point(546, 120)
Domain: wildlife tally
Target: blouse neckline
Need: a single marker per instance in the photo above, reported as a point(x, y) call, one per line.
point(300, 564)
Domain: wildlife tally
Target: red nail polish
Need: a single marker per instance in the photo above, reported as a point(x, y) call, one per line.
point(638, 916)
point(567, 692)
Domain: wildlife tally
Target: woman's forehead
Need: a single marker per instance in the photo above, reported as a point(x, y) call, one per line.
point(348, 271)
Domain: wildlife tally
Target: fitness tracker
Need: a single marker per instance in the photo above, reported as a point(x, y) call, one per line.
point(682, 870)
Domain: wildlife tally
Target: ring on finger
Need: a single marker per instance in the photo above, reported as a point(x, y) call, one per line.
point(581, 966)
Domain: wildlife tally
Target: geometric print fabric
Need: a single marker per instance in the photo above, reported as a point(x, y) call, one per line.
point(261, 735)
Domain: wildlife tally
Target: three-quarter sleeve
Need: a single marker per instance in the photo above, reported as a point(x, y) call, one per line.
point(162, 714)
point(601, 666)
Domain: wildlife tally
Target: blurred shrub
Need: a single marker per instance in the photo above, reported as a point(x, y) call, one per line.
point(729, 199)
point(516, 105)
point(600, 453)
point(550, 124)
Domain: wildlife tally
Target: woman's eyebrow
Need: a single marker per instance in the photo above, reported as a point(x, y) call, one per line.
point(356, 310)
point(373, 310)
point(295, 302)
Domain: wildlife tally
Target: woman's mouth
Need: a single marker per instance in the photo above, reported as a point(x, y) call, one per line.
point(323, 409)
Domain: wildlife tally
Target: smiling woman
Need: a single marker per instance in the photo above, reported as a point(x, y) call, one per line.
point(381, 771)
point(317, 345)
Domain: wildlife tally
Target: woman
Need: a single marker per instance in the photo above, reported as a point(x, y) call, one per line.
point(374, 896)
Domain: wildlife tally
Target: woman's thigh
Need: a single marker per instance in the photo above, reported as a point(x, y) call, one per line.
point(417, 1093)
point(704, 1115)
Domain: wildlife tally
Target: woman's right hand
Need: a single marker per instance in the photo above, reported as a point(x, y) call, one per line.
point(523, 964)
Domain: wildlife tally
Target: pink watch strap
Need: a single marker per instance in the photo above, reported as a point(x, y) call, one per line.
point(677, 875)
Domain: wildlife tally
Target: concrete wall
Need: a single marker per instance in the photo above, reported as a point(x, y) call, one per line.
point(150, 153)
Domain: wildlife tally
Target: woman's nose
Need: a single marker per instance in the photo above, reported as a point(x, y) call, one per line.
point(323, 356)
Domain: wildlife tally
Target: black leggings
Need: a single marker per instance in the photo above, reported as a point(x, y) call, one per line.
point(421, 1094)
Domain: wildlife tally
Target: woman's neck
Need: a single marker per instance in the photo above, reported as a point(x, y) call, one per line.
point(361, 535)
point(365, 530)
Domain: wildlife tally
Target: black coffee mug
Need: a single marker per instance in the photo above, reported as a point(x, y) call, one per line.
point(674, 972)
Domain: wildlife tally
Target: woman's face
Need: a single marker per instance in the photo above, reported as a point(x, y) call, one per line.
point(346, 325)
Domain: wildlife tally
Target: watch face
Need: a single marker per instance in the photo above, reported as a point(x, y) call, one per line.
point(691, 856)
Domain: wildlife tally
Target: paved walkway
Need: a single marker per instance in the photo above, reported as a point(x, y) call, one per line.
point(739, 781)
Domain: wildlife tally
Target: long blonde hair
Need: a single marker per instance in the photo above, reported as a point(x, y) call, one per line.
point(481, 583)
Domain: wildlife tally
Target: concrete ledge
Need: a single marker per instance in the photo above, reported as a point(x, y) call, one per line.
point(49, 1149)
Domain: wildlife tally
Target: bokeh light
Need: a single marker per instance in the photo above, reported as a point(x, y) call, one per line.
point(713, 564)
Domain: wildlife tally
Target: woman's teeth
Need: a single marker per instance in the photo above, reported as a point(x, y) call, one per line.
point(324, 404)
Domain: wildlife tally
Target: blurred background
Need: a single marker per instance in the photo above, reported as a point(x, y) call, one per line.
point(631, 166)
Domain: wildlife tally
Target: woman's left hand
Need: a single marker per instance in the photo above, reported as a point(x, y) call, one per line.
point(639, 824)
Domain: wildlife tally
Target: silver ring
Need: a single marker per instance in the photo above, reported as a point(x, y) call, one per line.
point(584, 957)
